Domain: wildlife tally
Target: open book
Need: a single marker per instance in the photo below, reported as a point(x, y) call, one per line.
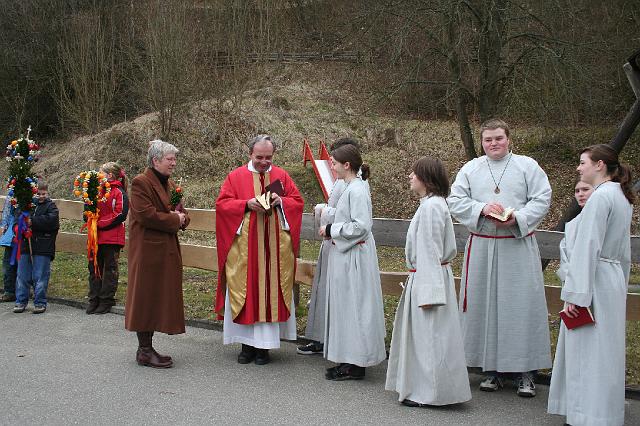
point(504, 216)
point(584, 317)
point(274, 187)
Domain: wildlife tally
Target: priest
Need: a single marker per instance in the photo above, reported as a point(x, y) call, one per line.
point(258, 221)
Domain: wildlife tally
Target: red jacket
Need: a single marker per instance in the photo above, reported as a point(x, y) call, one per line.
point(113, 213)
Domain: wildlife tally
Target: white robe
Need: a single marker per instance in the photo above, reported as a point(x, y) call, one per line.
point(354, 330)
point(263, 335)
point(318, 300)
point(588, 378)
point(505, 327)
point(426, 360)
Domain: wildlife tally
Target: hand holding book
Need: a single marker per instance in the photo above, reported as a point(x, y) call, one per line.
point(575, 316)
point(495, 211)
point(506, 214)
point(271, 196)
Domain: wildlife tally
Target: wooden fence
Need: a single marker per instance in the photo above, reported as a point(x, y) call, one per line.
point(224, 59)
point(387, 232)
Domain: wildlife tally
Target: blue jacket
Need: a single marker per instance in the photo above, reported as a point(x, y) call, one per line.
point(8, 220)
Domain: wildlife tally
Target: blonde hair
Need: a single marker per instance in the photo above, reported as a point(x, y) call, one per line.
point(492, 124)
point(117, 171)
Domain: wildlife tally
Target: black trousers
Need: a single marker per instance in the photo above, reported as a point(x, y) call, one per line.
point(102, 290)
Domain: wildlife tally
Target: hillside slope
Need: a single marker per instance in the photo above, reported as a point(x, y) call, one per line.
point(292, 109)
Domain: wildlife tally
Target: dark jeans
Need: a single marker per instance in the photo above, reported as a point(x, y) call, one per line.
point(102, 290)
point(10, 272)
point(33, 273)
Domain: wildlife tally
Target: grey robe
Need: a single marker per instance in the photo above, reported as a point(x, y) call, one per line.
point(588, 380)
point(354, 325)
point(426, 360)
point(505, 326)
point(318, 300)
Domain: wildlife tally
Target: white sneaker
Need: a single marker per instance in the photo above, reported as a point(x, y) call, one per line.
point(526, 387)
point(491, 384)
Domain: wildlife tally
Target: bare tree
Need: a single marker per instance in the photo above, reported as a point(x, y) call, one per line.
point(88, 71)
point(485, 44)
point(166, 60)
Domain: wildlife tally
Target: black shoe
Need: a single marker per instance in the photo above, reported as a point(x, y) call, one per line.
point(102, 309)
point(410, 403)
point(312, 348)
point(92, 308)
point(262, 357)
point(247, 354)
point(345, 372)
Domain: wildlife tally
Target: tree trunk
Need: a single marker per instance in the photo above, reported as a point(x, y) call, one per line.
point(626, 129)
point(462, 116)
point(490, 56)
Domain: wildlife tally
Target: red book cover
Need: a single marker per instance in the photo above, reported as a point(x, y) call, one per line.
point(584, 317)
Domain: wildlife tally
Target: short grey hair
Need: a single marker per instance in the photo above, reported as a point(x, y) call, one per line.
point(261, 138)
point(159, 149)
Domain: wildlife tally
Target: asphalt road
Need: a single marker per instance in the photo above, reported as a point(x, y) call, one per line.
point(66, 367)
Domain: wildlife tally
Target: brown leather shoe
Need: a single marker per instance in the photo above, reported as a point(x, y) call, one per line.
point(148, 358)
point(164, 358)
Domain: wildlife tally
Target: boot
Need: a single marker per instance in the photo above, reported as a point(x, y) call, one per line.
point(102, 309)
point(93, 305)
point(146, 355)
point(165, 358)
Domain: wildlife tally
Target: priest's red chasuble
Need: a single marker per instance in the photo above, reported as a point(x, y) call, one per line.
point(257, 251)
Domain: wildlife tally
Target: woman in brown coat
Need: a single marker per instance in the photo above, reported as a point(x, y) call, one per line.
point(154, 291)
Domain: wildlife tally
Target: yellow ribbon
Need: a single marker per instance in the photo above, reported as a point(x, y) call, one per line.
point(92, 238)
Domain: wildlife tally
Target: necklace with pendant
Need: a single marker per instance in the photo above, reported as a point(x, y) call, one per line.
point(497, 190)
point(598, 185)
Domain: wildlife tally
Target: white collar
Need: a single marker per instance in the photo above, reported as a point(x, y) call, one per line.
point(253, 169)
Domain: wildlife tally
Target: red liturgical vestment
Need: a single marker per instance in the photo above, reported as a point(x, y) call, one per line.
point(257, 251)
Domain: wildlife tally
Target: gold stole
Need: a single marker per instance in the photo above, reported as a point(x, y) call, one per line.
point(268, 268)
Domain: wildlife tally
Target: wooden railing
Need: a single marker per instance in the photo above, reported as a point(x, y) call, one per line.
point(387, 232)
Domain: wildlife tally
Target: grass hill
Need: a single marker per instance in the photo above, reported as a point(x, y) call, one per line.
point(303, 104)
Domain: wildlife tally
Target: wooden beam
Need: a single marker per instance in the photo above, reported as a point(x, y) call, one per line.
point(201, 257)
point(206, 258)
point(387, 232)
point(202, 220)
point(69, 209)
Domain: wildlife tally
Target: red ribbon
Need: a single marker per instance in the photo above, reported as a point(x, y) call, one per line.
point(466, 266)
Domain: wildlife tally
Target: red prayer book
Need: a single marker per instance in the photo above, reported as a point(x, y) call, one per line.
point(584, 317)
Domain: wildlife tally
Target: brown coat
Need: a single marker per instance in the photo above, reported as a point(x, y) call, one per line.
point(154, 291)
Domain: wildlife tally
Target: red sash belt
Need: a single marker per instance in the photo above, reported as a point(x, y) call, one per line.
point(442, 264)
point(466, 266)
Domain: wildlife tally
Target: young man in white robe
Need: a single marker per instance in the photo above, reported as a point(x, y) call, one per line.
point(502, 301)
point(588, 378)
